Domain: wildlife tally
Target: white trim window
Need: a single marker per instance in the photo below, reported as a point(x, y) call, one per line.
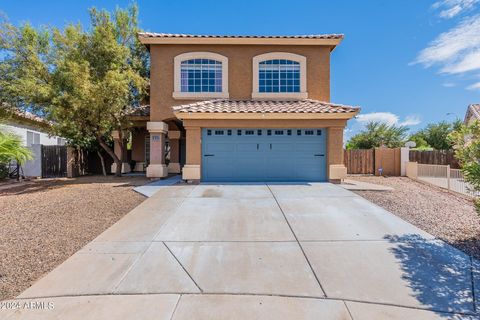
point(32, 138)
point(279, 75)
point(200, 75)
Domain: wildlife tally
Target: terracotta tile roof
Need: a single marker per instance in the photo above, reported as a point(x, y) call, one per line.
point(174, 35)
point(264, 106)
point(141, 111)
point(30, 116)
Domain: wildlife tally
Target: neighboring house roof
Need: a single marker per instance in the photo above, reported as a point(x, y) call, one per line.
point(332, 40)
point(141, 111)
point(473, 112)
point(306, 106)
point(25, 117)
point(30, 116)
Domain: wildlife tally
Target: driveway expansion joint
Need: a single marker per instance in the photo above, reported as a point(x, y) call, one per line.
point(348, 310)
point(298, 242)
point(184, 269)
point(130, 268)
point(176, 306)
point(346, 301)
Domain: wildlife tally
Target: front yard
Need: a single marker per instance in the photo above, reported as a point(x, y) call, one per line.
point(45, 222)
point(447, 216)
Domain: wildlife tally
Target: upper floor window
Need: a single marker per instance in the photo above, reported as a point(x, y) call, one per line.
point(279, 75)
point(200, 75)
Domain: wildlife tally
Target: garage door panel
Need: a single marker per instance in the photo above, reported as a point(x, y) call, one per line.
point(309, 147)
point(280, 169)
point(223, 168)
point(252, 147)
point(282, 147)
point(214, 147)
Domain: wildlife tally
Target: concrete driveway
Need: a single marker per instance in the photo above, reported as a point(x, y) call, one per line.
point(258, 251)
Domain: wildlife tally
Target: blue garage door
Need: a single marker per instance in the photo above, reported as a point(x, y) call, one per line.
point(263, 154)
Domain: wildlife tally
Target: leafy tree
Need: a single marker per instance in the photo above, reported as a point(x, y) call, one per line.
point(419, 142)
point(466, 143)
point(377, 134)
point(84, 81)
point(435, 135)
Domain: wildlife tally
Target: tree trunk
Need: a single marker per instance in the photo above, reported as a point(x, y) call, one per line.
point(102, 162)
point(111, 153)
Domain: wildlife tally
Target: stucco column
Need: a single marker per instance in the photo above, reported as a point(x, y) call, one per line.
point(157, 167)
point(120, 149)
point(174, 139)
point(191, 170)
point(336, 168)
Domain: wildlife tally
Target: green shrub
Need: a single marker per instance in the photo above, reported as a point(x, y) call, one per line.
point(466, 143)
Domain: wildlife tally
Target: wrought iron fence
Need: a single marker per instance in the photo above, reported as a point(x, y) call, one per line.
point(445, 177)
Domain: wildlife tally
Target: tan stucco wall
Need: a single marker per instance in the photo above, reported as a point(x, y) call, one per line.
point(240, 72)
point(335, 145)
point(389, 160)
point(138, 145)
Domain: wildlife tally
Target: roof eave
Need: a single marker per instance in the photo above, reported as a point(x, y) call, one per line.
point(242, 41)
point(265, 115)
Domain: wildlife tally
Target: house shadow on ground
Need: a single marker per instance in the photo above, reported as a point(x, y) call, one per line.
point(39, 185)
point(440, 276)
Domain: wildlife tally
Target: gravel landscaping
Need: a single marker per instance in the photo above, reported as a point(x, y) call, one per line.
point(447, 216)
point(46, 221)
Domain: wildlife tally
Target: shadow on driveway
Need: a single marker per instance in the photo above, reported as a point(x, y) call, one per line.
point(439, 275)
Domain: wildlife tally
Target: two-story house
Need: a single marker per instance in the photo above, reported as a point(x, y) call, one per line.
point(243, 108)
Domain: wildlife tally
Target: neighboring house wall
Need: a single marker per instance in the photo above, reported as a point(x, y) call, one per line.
point(32, 137)
point(33, 168)
point(240, 72)
point(27, 131)
point(472, 114)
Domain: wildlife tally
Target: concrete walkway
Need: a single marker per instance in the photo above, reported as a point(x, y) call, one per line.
point(151, 188)
point(257, 251)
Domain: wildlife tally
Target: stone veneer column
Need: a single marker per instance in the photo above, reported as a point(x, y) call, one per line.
point(174, 139)
point(336, 168)
point(157, 167)
point(120, 151)
point(191, 170)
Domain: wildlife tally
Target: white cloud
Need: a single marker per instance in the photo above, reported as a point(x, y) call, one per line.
point(456, 51)
point(475, 86)
point(388, 118)
point(452, 8)
point(451, 47)
point(411, 120)
point(470, 62)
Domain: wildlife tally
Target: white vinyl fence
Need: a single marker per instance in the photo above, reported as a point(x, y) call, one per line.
point(444, 177)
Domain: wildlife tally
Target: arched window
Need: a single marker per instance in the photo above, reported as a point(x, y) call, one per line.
point(201, 75)
point(279, 75)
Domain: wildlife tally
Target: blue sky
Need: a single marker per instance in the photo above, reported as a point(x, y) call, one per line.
point(406, 62)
